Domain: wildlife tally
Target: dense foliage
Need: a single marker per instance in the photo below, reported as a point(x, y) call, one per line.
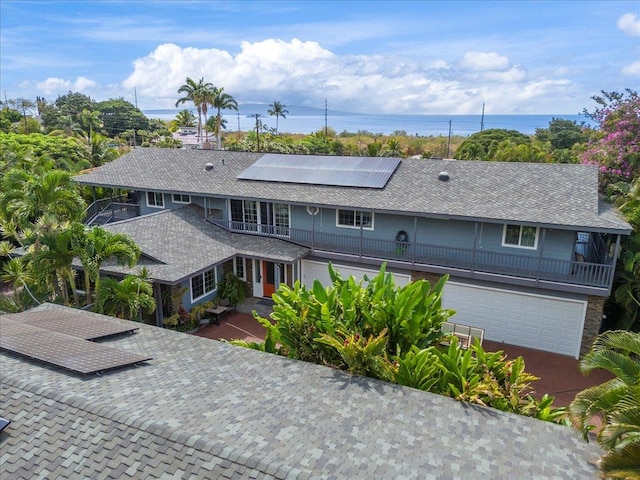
point(616, 403)
point(377, 329)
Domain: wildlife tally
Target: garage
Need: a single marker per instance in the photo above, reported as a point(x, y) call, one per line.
point(548, 323)
point(312, 270)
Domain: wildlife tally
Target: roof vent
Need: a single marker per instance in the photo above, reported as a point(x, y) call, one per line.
point(208, 167)
point(443, 176)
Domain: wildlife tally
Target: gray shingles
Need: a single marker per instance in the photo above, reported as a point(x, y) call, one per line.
point(274, 416)
point(182, 244)
point(548, 194)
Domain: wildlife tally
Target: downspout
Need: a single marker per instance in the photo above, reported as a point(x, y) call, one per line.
point(542, 237)
point(415, 241)
point(475, 248)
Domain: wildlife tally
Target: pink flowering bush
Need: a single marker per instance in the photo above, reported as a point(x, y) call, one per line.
point(616, 149)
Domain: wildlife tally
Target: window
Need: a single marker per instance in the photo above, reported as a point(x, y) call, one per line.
point(155, 199)
point(179, 198)
point(354, 219)
point(263, 217)
point(520, 236)
point(239, 267)
point(203, 284)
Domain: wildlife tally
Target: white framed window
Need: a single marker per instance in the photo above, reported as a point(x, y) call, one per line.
point(520, 236)
point(354, 219)
point(239, 267)
point(155, 199)
point(203, 284)
point(180, 198)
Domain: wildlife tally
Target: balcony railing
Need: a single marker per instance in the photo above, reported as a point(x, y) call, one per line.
point(107, 210)
point(537, 268)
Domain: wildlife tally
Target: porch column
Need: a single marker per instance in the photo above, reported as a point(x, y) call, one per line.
point(415, 240)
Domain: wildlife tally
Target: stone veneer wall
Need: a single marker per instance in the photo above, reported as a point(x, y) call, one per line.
point(592, 322)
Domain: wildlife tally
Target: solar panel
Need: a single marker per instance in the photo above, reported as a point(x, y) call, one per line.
point(77, 323)
point(368, 172)
point(72, 353)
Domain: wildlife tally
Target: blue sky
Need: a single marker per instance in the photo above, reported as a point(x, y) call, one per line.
point(419, 57)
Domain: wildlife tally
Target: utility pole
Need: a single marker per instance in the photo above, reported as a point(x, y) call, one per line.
point(257, 115)
point(482, 120)
point(238, 121)
point(449, 141)
point(135, 96)
point(326, 128)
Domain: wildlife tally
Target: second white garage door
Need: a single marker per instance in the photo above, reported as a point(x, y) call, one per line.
point(312, 270)
point(535, 321)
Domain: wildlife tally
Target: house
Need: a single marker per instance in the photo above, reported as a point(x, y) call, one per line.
point(530, 248)
point(188, 136)
point(206, 409)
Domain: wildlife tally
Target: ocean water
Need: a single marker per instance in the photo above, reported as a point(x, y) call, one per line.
point(419, 125)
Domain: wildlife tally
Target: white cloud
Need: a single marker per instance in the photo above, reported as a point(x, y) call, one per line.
point(53, 85)
point(629, 23)
point(632, 70)
point(484, 61)
point(305, 73)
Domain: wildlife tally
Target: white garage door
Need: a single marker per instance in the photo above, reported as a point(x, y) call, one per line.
point(319, 270)
point(534, 321)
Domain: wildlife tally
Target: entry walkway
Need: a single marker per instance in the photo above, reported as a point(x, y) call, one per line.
point(559, 374)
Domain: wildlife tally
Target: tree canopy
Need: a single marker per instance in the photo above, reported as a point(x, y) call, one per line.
point(482, 145)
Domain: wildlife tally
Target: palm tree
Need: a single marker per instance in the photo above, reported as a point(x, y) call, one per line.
point(90, 121)
point(197, 93)
point(278, 110)
point(96, 245)
point(126, 298)
point(616, 402)
point(222, 101)
point(185, 118)
point(25, 197)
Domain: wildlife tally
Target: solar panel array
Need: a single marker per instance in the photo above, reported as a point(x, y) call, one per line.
point(369, 172)
point(61, 341)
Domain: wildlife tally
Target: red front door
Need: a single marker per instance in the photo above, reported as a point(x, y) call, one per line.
point(268, 278)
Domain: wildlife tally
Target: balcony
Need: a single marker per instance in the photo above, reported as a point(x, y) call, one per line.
point(536, 271)
point(107, 210)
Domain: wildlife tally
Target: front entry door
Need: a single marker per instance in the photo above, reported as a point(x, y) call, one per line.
point(269, 280)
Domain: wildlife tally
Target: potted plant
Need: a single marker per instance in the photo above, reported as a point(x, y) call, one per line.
point(233, 288)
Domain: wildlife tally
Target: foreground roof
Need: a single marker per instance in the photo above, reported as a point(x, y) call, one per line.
point(559, 195)
point(179, 243)
point(207, 409)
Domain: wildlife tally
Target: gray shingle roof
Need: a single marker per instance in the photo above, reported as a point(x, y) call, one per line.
point(207, 409)
point(557, 195)
point(179, 243)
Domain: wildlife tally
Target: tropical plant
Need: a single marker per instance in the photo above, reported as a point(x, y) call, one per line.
point(482, 145)
point(233, 288)
point(277, 109)
point(94, 246)
point(616, 402)
point(222, 101)
point(184, 118)
point(127, 298)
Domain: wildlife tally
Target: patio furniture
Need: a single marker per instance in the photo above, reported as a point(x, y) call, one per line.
point(466, 334)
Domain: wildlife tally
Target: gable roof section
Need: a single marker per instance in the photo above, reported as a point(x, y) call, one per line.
point(556, 195)
point(208, 409)
point(179, 243)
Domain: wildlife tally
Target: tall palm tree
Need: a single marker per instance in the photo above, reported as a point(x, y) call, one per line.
point(199, 94)
point(616, 402)
point(94, 246)
point(222, 101)
point(278, 110)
